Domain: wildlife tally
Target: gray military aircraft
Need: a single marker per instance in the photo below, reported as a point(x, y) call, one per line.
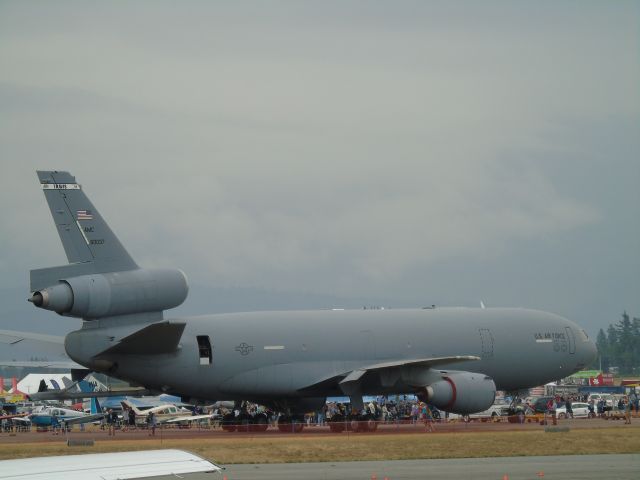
point(454, 358)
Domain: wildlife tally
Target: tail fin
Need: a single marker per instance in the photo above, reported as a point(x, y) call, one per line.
point(136, 410)
point(85, 386)
point(95, 406)
point(85, 235)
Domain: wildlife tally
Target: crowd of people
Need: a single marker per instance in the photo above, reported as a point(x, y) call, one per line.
point(397, 409)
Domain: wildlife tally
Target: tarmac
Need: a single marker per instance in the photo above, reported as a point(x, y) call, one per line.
point(570, 467)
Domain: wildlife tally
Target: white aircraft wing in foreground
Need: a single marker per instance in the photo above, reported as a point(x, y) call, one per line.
point(107, 466)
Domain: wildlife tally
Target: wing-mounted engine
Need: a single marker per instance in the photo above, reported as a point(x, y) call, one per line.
point(114, 293)
point(461, 392)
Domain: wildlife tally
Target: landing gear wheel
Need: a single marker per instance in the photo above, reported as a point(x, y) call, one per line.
point(245, 423)
point(337, 424)
point(297, 425)
point(370, 425)
point(284, 424)
point(260, 423)
point(229, 423)
point(290, 425)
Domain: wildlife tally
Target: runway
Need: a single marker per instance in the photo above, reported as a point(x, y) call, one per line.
point(249, 446)
point(570, 467)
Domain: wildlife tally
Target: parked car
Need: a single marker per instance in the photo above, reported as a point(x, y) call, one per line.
point(580, 410)
point(492, 413)
point(540, 405)
point(608, 398)
point(495, 410)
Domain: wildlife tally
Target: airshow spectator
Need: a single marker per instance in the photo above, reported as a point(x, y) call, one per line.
point(627, 412)
point(569, 408)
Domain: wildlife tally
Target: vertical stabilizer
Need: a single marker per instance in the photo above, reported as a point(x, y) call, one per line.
point(85, 235)
point(95, 406)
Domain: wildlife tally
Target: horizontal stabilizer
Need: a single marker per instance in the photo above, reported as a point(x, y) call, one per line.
point(40, 278)
point(161, 337)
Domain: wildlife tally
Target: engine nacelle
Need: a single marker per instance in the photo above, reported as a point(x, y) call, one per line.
point(462, 392)
point(116, 293)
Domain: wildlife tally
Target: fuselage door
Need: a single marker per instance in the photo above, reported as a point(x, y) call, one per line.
point(486, 339)
point(571, 339)
point(204, 350)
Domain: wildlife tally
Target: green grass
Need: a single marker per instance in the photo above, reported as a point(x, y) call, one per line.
point(371, 447)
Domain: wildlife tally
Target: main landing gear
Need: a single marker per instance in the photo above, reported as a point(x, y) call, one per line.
point(290, 424)
point(245, 423)
point(352, 423)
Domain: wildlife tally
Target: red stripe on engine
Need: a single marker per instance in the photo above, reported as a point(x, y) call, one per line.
point(453, 396)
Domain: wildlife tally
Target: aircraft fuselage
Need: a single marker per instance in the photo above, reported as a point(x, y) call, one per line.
point(267, 355)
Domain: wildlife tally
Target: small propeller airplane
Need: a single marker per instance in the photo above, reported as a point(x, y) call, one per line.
point(167, 413)
point(57, 417)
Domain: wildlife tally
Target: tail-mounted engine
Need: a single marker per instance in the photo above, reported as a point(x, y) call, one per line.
point(116, 293)
point(461, 392)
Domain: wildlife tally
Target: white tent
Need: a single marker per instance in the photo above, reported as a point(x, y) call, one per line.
point(54, 381)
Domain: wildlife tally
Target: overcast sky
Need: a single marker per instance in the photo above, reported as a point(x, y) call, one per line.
point(412, 152)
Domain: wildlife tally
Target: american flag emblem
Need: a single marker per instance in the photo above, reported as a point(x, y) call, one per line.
point(84, 215)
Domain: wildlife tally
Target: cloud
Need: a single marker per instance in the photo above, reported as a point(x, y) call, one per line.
point(332, 148)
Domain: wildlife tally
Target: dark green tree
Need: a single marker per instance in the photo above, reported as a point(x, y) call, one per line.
point(603, 351)
point(620, 345)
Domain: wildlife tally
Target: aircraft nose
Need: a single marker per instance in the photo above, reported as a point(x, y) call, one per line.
point(590, 352)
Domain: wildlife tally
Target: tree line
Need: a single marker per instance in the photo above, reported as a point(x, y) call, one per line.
point(619, 346)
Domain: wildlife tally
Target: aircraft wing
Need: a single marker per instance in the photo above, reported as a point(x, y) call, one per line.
point(107, 466)
point(420, 362)
point(70, 395)
point(22, 419)
point(83, 419)
point(12, 337)
point(14, 416)
point(389, 370)
point(41, 364)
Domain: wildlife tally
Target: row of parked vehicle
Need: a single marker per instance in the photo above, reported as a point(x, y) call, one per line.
point(538, 406)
